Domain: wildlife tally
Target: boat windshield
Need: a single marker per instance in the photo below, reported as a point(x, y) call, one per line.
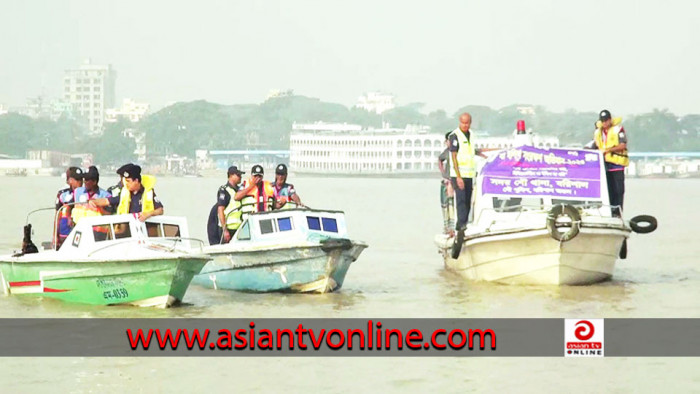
point(108, 232)
point(505, 204)
point(159, 230)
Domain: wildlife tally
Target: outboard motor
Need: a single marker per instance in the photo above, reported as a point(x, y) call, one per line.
point(27, 244)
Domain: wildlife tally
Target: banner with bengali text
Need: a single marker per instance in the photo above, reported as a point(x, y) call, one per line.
point(528, 171)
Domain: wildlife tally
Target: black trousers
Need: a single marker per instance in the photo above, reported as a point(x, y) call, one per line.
point(616, 190)
point(213, 229)
point(464, 201)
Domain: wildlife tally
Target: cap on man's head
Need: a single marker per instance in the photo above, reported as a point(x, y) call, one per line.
point(121, 169)
point(257, 170)
point(604, 115)
point(234, 170)
point(91, 174)
point(132, 171)
point(75, 173)
point(281, 169)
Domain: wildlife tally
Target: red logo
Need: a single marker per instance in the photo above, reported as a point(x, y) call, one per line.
point(584, 332)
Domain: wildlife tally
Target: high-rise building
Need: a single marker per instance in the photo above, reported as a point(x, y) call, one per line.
point(90, 89)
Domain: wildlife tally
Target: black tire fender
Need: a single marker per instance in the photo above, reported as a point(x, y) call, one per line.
point(457, 245)
point(643, 224)
point(563, 210)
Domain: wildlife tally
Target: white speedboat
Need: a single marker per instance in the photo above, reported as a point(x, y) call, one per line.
point(109, 260)
point(295, 250)
point(540, 217)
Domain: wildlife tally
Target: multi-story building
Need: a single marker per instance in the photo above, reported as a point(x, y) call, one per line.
point(130, 109)
point(90, 89)
point(376, 102)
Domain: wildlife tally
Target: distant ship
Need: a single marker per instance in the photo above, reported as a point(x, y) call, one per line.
point(348, 149)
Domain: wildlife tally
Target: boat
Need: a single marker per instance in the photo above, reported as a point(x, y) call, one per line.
point(292, 250)
point(107, 260)
point(541, 217)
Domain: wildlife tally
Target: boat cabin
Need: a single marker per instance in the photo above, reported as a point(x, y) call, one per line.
point(292, 224)
point(96, 231)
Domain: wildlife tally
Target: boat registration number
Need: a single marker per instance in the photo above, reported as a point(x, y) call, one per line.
point(115, 294)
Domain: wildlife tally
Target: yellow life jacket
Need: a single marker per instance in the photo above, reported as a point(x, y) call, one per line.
point(611, 140)
point(465, 156)
point(147, 205)
point(233, 211)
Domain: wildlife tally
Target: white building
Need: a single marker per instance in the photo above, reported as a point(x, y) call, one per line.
point(376, 102)
point(130, 109)
point(348, 149)
point(90, 89)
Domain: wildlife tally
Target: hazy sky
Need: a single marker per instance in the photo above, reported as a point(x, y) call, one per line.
point(628, 56)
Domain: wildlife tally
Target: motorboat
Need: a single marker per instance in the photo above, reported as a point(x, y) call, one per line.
point(541, 217)
point(295, 250)
point(106, 260)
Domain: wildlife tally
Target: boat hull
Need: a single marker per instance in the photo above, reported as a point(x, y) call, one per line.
point(533, 257)
point(154, 282)
point(302, 269)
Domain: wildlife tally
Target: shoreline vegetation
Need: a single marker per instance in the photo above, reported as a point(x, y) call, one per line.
point(185, 126)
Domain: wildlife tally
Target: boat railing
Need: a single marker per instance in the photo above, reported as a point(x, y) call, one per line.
point(543, 208)
point(151, 242)
point(176, 240)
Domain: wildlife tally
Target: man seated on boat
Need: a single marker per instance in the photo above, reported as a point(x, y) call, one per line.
point(446, 191)
point(286, 196)
point(64, 204)
point(256, 194)
point(89, 191)
point(137, 195)
point(228, 209)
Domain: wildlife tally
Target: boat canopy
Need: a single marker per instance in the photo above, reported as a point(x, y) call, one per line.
point(552, 174)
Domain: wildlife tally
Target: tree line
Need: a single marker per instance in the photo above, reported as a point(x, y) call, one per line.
point(183, 127)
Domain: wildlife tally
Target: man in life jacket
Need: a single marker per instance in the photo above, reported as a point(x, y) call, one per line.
point(137, 195)
point(89, 191)
point(463, 168)
point(117, 189)
point(286, 196)
point(610, 138)
point(228, 209)
point(65, 199)
point(256, 194)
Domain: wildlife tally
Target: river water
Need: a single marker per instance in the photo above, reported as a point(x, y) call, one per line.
point(399, 275)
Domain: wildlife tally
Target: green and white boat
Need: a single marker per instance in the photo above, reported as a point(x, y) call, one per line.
point(109, 260)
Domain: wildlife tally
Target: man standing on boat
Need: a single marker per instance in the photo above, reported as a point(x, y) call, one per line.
point(64, 204)
point(285, 192)
point(447, 194)
point(256, 194)
point(463, 168)
point(228, 209)
point(90, 191)
point(610, 138)
point(137, 195)
point(117, 189)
